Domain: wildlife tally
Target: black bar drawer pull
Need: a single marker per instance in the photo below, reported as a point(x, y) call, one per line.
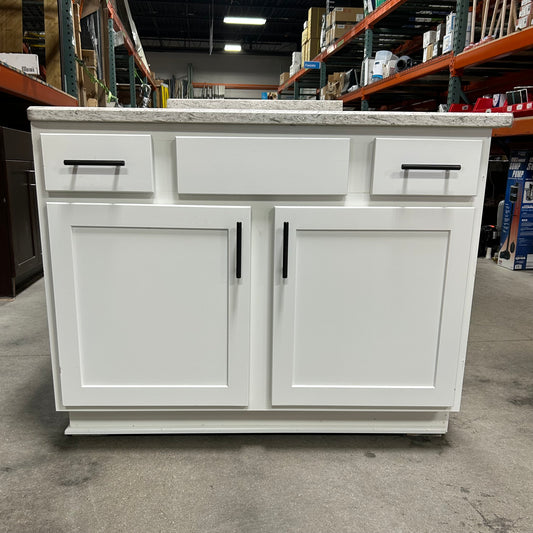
point(94, 162)
point(407, 166)
point(285, 267)
point(238, 268)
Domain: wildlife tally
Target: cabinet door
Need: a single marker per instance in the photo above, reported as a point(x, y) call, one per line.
point(371, 309)
point(22, 201)
point(152, 304)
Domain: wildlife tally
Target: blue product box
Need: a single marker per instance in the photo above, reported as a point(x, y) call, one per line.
point(516, 249)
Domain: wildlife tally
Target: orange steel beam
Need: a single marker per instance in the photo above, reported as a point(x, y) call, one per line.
point(521, 40)
point(521, 126)
point(241, 86)
point(18, 84)
point(117, 23)
point(430, 67)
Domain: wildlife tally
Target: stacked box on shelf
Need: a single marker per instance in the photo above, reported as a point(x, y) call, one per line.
point(525, 15)
point(311, 33)
point(341, 20)
point(296, 63)
point(447, 41)
point(334, 87)
point(284, 77)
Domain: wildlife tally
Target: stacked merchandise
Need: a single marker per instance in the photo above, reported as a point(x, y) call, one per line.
point(433, 42)
point(284, 78)
point(525, 15)
point(447, 40)
point(335, 86)
point(296, 64)
point(341, 20)
point(311, 33)
point(516, 251)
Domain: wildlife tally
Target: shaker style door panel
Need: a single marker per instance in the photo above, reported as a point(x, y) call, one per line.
point(22, 205)
point(368, 303)
point(152, 304)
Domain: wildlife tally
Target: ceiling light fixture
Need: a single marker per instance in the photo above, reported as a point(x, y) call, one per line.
point(232, 48)
point(254, 21)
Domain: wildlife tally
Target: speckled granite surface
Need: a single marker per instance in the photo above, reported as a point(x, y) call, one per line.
point(255, 117)
point(272, 105)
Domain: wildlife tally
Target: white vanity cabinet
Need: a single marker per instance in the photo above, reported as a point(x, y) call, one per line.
point(214, 271)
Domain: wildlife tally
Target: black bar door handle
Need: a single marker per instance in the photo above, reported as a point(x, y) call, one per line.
point(407, 166)
point(95, 162)
point(285, 265)
point(238, 268)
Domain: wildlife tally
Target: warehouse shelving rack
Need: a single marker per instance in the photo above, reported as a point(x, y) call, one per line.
point(456, 76)
point(16, 83)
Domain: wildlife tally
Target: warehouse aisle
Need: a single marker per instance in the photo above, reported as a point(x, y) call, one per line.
point(478, 478)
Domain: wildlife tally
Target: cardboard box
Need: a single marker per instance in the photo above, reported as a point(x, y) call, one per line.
point(428, 53)
point(89, 57)
point(367, 66)
point(284, 77)
point(429, 38)
point(312, 49)
point(441, 32)
point(524, 22)
point(314, 21)
point(525, 10)
point(341, 15)
point(516, 249)
point(447, 43)
point(27, 63)
point(450, 22)
point(305, 36)
point(338, 30)
point(437, 49)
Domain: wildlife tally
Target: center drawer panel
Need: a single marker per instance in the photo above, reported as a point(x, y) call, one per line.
point(98, 162)
point(255, 165)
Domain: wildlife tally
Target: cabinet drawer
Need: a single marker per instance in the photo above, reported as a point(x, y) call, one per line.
point(422, 166)
point(255, 165)
point(97, 163)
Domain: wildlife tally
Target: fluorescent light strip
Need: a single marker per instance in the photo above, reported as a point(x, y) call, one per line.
point(254, 21)
point(232, 48)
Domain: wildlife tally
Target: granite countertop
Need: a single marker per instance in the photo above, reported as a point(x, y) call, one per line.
point(256, 117)
point(241, 103)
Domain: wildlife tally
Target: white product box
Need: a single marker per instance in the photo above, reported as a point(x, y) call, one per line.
point(522, 22)
point(447, 43)
point(437, 49)
point(429, 38)
point(367, 67)
point(441, 30)
point(28, 63)
point(296, 58)
point(525, 10)
point(450, 22)
point(428, 53)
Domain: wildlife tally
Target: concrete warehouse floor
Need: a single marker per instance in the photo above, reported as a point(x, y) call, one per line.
point(478, 478)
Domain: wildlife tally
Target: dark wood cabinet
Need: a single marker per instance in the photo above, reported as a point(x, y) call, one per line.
point(20, 245)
